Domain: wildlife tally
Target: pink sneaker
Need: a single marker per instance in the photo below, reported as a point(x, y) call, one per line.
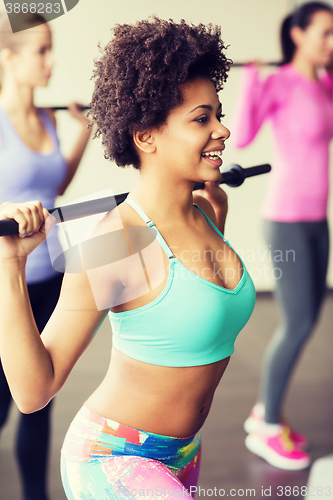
point(279, 451)
point(254, 421)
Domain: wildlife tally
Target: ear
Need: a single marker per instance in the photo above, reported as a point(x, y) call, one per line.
point(144, 141)
point(296, 34)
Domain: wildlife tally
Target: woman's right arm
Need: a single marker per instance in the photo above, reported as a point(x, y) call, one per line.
point(37, 366)
point(255, 101)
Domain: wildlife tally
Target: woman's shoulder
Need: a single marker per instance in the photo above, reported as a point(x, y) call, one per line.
point(127, 215)
point(280, 83)
point(272, 83)
point(281, 76)
point(117, 219)
point(51, 115)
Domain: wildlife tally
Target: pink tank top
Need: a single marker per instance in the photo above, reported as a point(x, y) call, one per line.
point(301, 114)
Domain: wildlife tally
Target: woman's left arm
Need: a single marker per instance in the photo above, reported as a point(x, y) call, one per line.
point(214, 202)
point(73, 160)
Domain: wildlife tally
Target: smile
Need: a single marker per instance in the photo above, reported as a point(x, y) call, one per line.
point(214, 155)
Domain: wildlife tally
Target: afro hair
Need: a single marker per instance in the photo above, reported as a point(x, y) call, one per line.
point(139, 75)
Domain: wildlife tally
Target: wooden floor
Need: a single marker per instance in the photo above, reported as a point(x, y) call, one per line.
point(226, 463)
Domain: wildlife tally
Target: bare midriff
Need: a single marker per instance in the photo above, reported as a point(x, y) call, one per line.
point(172, 401)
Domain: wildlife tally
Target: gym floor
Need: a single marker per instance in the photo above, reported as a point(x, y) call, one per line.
point(226, 464)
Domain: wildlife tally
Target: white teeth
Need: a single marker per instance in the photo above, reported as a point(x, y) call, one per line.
point(213, 154)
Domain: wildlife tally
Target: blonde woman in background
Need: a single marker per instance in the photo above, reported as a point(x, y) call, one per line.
point(32, 167)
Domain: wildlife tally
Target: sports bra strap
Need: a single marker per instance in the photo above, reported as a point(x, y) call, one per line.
point(210, 222)
point(151, 225)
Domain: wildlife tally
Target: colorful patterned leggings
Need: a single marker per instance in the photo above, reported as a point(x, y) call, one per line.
point(104, 460)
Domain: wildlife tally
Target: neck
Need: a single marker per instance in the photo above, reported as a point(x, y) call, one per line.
point(160, 196)
point(16, 98)
point(304, 67)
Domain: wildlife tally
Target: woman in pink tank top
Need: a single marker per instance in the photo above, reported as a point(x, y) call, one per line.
point(297, 99)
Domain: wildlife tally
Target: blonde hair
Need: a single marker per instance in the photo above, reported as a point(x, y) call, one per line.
point(14, 41)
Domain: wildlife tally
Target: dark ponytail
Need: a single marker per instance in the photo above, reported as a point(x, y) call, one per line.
point(287, 45)
point(302, 18)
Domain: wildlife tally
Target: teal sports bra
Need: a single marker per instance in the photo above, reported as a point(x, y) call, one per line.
point(192, 322)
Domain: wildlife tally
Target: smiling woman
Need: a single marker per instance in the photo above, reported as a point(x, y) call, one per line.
point(152, 61)
point(195, 132)
point(175, 319)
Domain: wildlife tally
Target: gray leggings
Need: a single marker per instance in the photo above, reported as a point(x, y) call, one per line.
point(300, 250)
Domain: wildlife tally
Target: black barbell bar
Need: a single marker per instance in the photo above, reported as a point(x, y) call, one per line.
point(233, 176)
point(268, 63)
